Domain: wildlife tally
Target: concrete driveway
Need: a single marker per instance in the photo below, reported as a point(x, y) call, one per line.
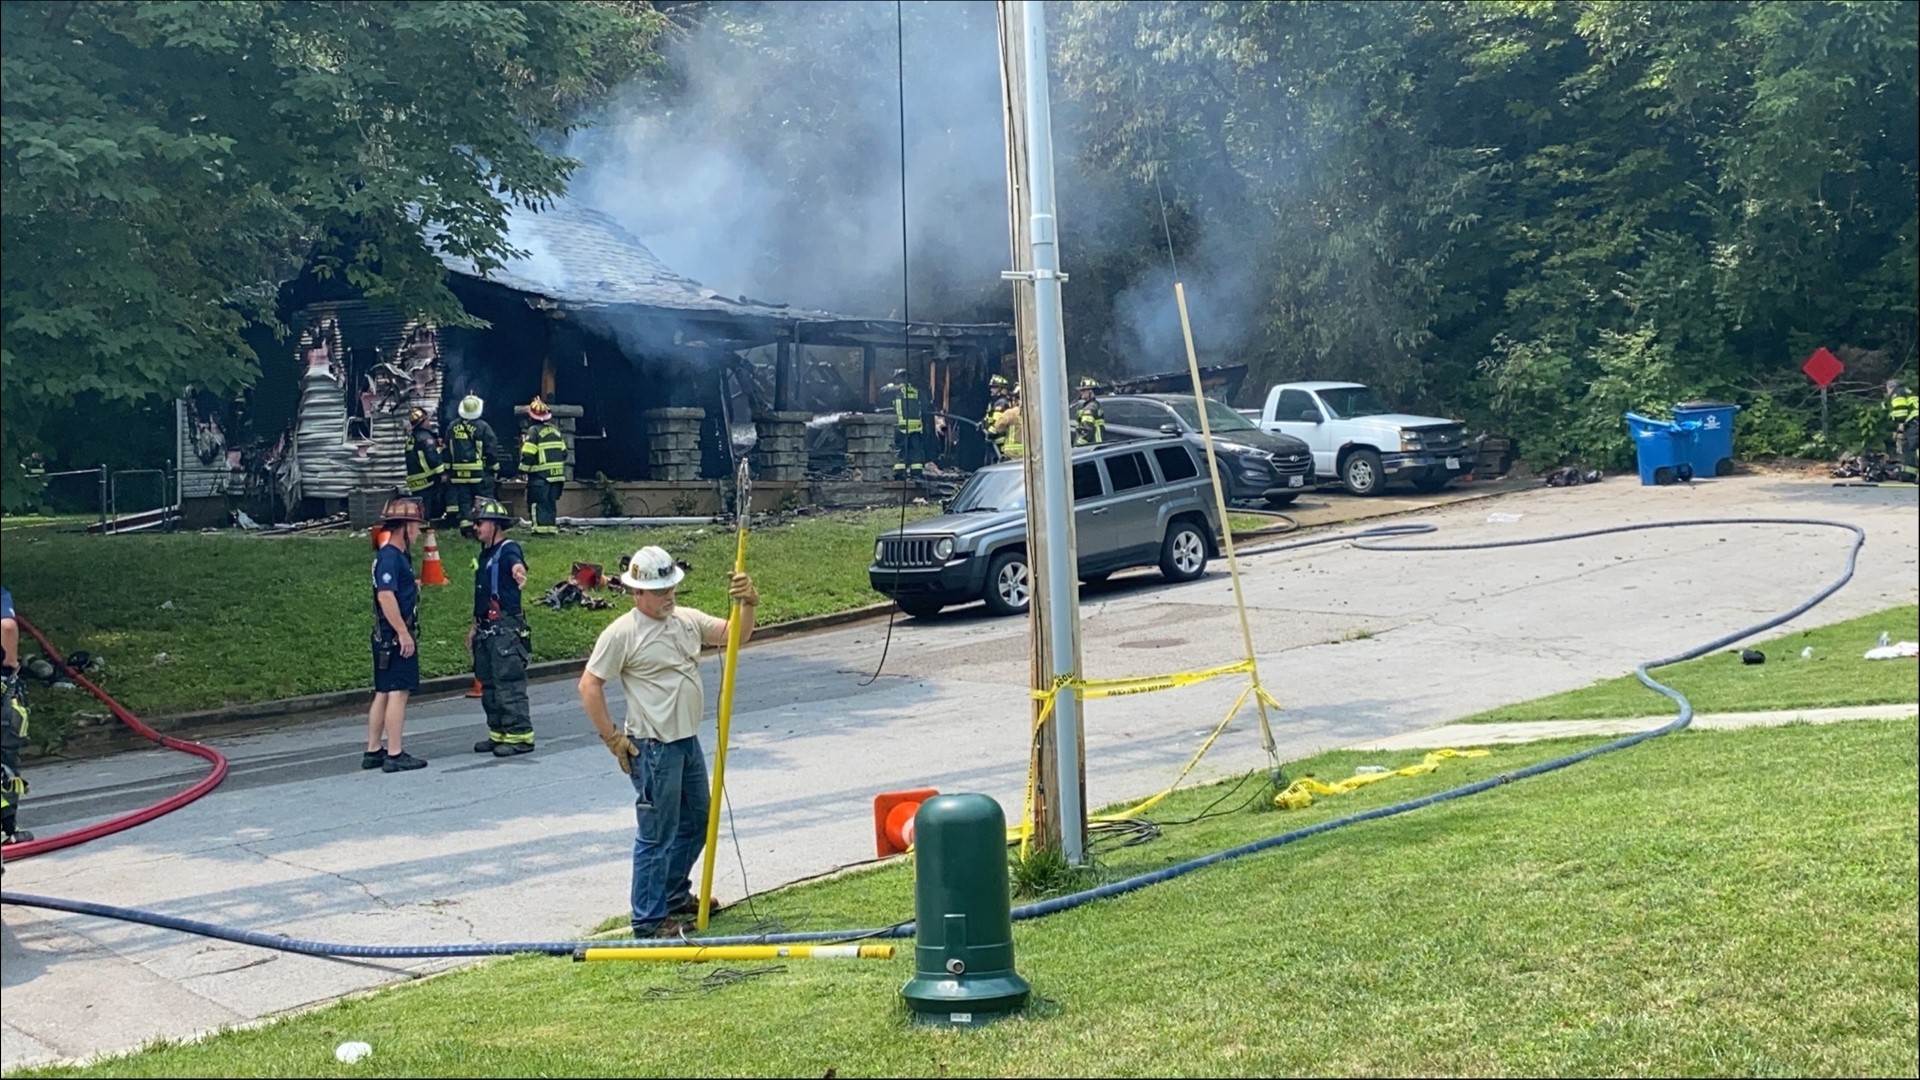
point(300, 841)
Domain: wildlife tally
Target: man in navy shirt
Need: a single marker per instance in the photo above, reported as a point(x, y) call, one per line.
point(499, 638)
point(396, 661)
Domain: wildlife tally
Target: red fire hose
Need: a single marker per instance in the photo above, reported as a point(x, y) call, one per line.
point(145, 813)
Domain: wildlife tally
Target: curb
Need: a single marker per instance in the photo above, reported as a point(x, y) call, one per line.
point(101, 740)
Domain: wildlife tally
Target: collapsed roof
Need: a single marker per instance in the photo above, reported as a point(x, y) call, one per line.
point(580, 259)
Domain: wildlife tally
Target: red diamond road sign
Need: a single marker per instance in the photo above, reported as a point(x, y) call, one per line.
point(1823, 367)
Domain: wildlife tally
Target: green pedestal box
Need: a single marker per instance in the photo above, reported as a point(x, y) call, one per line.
point(963, 948)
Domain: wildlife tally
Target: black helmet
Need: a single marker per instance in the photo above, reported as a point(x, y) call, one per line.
point(491, 510)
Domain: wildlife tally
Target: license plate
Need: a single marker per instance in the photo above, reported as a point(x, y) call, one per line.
point(1453, 463)
point(1296, 481)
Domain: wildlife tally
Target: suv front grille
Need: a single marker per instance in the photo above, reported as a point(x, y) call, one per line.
point(908, 551)
point(1293, 464)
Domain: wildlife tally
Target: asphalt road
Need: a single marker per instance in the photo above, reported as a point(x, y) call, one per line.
point(1357, 645)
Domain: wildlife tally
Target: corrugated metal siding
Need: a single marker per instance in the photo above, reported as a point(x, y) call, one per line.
point(200, 480)
point(349, 347)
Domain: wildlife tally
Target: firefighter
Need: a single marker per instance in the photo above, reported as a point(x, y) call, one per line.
point(996, 404)
point(543, 458)
point(13, 725)
point(909, 425)
point(499, 638)
point(1006, 427)
point(473, 455)
point(1903, 407)
point(1089, 423)
point(396, 628)
point(426, 469)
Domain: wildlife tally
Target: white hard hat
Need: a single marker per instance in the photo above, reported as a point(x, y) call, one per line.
point(652, 568)
point(471, 407)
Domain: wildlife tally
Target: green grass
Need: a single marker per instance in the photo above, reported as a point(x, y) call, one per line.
point(1836, 675)
point(1705, 903)
point(259, 618)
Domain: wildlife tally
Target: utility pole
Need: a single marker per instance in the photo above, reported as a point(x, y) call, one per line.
point(1060, 805)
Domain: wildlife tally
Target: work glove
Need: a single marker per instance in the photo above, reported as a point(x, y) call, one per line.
point(741, 591)
point(622, 749)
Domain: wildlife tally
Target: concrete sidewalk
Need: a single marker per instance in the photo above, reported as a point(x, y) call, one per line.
point(1360, 647)
point(1535, 730)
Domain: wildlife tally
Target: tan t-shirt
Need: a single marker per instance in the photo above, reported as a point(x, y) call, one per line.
point(657, 663)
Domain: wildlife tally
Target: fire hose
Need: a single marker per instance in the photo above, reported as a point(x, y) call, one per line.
point(1367, 540)
point(146, 813)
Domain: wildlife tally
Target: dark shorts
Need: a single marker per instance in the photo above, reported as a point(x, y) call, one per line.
point(402, 672)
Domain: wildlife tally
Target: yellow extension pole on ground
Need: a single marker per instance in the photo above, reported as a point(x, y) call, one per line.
point(743, 499)
point(681, 954)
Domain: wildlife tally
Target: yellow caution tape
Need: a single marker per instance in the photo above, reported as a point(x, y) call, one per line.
point(1139, 684)
point(1299, 794)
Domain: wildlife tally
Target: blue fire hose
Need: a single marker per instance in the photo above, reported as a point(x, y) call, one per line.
point(1367, 539)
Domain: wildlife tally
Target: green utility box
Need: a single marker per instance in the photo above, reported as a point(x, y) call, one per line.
point(963, 947)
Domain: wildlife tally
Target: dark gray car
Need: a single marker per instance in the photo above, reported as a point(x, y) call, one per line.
point(1145, 503)
point(1255, 465)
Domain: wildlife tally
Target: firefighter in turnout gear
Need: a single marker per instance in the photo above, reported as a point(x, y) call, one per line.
point(13, 725)
point(473, 456)
point(426, 469)
point(997, 403)
point(499, 638)
point(1903, 407)
point(902, 398)
point(1006, 427)
point(1089, 423)
point(543, 458)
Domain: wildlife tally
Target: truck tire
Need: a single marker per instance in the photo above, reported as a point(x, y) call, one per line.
point(1360, 473)
point(1183, 554)
point(1009, 584)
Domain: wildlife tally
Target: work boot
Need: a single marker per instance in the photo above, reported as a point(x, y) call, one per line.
point(20, 837)
point(373, 759)
point(690, 908)
point(507, 749)
point(669, 927)
point(401, 761)
point(486, 746)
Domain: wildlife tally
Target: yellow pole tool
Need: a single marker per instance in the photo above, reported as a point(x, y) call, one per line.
point(743, 503)
point(1226, 529)
point(685, 954)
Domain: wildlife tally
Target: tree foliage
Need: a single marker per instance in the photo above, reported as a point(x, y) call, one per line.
point(165, 165)
point(1540, 214)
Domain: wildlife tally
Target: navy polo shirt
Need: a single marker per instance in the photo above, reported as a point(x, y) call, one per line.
point(393, 572)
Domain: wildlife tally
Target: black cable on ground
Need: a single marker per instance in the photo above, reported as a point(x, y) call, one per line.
point(1366, 540)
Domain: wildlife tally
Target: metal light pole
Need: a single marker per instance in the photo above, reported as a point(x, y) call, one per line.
point(1043, 414)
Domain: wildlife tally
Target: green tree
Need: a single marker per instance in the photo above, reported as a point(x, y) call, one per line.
point(165, 165)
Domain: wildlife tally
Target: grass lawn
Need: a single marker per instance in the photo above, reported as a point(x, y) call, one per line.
point(1835, 675)
point(247, 618)
point(1709, 902)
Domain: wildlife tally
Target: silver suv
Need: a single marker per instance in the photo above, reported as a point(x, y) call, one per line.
point(1141, 503)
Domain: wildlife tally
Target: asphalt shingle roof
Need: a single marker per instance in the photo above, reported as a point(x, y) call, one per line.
point(582, 257)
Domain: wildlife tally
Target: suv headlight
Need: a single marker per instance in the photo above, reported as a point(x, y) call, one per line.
point(1410, 440)
point(943, 548)
point(879, 551)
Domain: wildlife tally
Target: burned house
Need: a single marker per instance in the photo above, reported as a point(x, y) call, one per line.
point(658, 381)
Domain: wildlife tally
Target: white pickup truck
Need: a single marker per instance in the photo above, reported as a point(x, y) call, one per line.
point(1359, 440)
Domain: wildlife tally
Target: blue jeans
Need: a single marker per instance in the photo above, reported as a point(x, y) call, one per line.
point(670, 805)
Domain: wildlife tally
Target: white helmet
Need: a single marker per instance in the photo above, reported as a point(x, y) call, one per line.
point(652, 568)
point(471, 406)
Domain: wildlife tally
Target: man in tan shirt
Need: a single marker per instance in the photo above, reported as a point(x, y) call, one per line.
point(654, 653)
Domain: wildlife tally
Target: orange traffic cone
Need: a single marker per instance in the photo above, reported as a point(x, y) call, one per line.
point(379, 537)
point(893, 813)
point(478, 690)
point(433, 573)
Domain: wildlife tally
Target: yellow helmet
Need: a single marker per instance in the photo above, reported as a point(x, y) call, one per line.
point(538, 410)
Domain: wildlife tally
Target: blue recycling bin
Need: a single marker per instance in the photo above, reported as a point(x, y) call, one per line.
point(1711, 450)
point(1663, 448)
